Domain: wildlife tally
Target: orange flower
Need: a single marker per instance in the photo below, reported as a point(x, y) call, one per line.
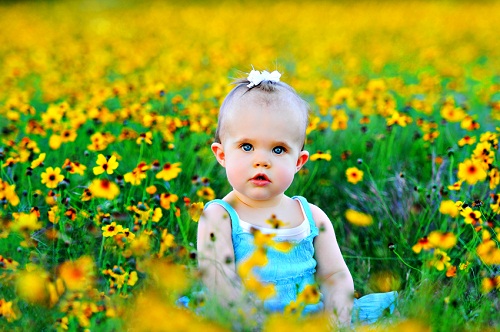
point(78, 274)
point(167, 199)
point(8, 193)
point(423, 243)
point(488, 284)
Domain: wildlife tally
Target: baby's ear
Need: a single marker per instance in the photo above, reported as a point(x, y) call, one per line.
point(218, 151)
point(302, 159)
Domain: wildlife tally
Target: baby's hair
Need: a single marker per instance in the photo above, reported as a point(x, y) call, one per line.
point(268, 88)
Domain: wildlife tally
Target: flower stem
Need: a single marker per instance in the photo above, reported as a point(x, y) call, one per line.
point(404, 262)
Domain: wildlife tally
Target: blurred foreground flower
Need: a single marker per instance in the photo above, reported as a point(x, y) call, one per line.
point(293, 323)
point(78, 274)
point(31, 286)
point(151, 312)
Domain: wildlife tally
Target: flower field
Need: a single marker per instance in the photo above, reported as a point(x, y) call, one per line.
point(108, 109)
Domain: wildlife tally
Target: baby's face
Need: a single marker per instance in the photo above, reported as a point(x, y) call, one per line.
point(261, 142)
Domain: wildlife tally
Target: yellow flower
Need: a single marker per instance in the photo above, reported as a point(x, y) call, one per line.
point(321, 156)
point(26, 222)
point(494, 176)
point(135, 177)
point(456, 186)
point(145, 137)
point(358, 218)
point(8, 192)
point(195, 211)
point(471, 171)
point(141, 245)
point(112, 229)
point(74, 167)
point(449, 207)
point(206, 193)
point(442, 240)
point(157, 214)
point(495, 203)
point(39, 161)
point(167, 241)
point(471, 216)
point(169, 171)
point(51, 177)
point(105, 165)
point(422, 243)
point(440, 260)
point(488, 284)
point(452, 114)
point(354, 175)
point(103, 188)
point(467, 140)
point(400, 119)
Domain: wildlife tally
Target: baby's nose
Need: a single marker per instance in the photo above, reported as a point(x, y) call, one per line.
point(261, 160)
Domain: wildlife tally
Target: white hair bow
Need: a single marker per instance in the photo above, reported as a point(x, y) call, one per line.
point(256, 77)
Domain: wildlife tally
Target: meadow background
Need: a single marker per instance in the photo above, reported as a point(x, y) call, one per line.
point(108, 110)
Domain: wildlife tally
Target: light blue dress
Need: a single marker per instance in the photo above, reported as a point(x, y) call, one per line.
point(292, 271)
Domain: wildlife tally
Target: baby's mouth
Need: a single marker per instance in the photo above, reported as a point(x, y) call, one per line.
point(261, 177)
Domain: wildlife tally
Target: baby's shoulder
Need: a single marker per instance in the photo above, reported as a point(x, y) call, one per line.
point(319, 216)
point(214, 212)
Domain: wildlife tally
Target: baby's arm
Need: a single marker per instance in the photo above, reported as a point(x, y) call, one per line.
point(332, 273)
point(216, 255)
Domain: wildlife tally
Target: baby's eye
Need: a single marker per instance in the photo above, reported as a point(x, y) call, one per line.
point(278, 150)
point(246, 147)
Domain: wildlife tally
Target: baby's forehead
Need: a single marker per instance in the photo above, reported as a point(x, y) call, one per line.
point(280, 99)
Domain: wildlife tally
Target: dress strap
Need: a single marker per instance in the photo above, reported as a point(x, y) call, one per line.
point(308, 212)
point(232, 213)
